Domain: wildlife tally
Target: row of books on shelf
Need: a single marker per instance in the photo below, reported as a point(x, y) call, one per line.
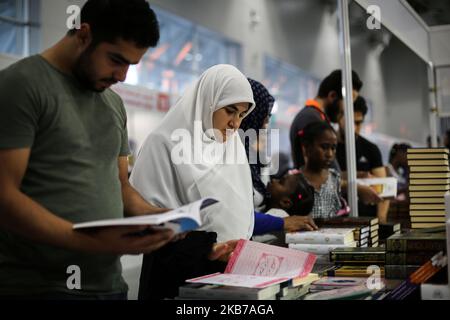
point(400, 257)
point(407, 252)
point(342, 233)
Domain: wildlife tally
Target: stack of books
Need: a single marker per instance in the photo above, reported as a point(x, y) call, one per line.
point(293, 289)
point(448, 245)
point(255, 271)
point(330, 283)
point(200, 291)
point(296, 288)
point(399, 213)
point(357, 262)
point(374, 238)
point(339, 288)
point(357, 271)
point(321, 242)
point(405, 253)
point(346, 293)
point(429, 180)
point(365, 228)
point(388, 229)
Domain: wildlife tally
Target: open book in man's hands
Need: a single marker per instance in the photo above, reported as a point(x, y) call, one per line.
point(179, 220)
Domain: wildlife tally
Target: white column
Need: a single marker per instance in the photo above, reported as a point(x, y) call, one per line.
point(433, 116)
point(345, 51)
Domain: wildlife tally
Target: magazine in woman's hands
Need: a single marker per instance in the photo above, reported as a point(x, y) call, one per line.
point(179, 220)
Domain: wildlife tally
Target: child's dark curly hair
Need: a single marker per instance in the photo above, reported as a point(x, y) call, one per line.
point(302, 197)
point(313, 131)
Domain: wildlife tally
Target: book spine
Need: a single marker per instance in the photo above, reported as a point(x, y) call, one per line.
point(211, 294)
point(399, 271)
point(357, 258)
point(298, 238)
point(384, 235)
point(408, 258)
point(404, 245)
point(235, 294)
point(320, 249)
point(324, 288)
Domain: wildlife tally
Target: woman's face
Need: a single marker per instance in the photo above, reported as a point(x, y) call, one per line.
point(229, 118)
point(323, 151)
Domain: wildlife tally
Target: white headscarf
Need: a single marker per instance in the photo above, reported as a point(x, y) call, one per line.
point(167, 184)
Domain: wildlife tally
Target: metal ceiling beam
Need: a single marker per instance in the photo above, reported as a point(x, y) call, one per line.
point(399, 17)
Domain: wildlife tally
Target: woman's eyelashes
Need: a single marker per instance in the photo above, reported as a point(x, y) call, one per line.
point(233, 112)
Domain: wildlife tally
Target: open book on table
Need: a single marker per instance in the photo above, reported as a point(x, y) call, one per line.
point(259, 265)
point(180, 220)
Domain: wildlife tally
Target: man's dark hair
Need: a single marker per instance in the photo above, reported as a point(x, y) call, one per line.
point(130, 20)
point(360, 105)
point(397, 148)
point(333, 82)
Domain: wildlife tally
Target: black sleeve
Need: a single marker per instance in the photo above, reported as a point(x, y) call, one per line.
point(376, 160)
point(165, 270)
point(341, 157)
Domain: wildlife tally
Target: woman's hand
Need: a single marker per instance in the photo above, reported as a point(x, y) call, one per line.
point(222, 251)
point(297, 223)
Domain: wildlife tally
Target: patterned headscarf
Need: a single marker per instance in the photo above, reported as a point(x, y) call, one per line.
point(255, 120)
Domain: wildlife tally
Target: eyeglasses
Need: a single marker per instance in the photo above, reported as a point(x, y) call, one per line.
point(359, 122)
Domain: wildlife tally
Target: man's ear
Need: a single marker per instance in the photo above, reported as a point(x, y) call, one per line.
point(84, 35)
point(285, 203)
point(332, 95)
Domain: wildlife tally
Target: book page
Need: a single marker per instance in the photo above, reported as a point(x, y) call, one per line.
point(385, 187)
point(179, 220)
point(258, 259)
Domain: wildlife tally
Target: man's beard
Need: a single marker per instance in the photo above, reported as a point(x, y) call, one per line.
point(333, 111)
point(84, 71)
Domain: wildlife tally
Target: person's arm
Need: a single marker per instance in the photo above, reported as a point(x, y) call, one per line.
point(297, 223)
point(383, 206)
point(134, 204)
point(22, 215)
point(265, 223)
point(365, 193)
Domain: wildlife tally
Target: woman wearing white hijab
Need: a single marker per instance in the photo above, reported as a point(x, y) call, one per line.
point(170, 172)
point(185, 160)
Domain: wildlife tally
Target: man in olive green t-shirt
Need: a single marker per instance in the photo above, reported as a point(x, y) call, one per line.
point(63, 159)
